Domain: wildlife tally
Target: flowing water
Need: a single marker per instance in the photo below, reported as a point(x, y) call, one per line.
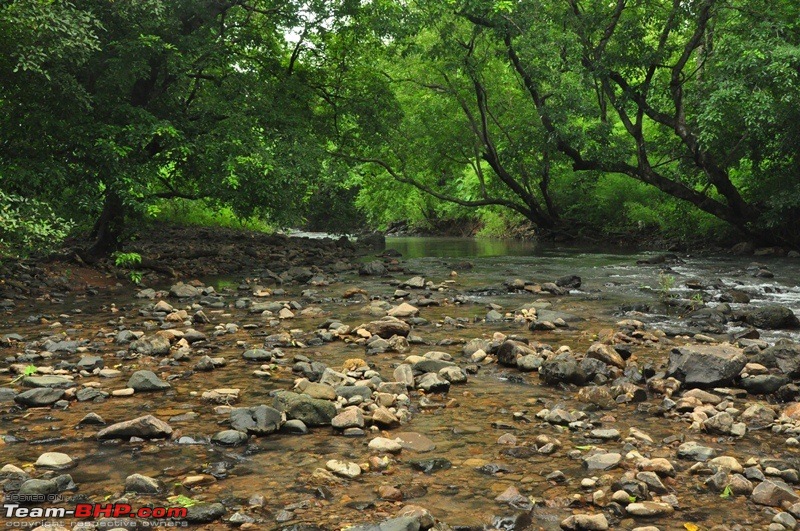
point(281, 467)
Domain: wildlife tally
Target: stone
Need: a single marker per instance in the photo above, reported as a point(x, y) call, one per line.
point(431, 465)
point(295, 426)
point(454, 375)
point(382, 444)
point(38, 487)
point(403, 310)
point(433, 383)
point(597, 395)
point(230, 438)
point(146, 381)
point(222, 395)
point(91, 419)
point(374, 268)
point(343, 468)
point(205, 512)
point(146, 427)
point(316, 390)
point(649, 508)
point(89, 363)
point(706, 365)
point(721, 423)
point(184, 291)
point(383, 417)
point(50, 381)
point(350, 417)
point(403, 373)
point(388, 327)
point(695, 451)
point(54, 460)
point(758, 416)
point(257, 420)
point(414, 441)
point(785, 355)
point(585, 522)
point(773, 492)
point(312, 411)
point(509, 351)
point(773, 317)
point(141, 484)
point(562, 368)
point(156, 345)
point(606, 354)
point(39, 397)
point(257, 354)
point(605, 461)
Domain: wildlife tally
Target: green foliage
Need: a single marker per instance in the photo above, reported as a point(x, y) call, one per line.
point(665, 284)
point(205, 214)
point(727, 492)
point(28, 226)
point(29, 370)
point(182, 501)
point(129, 261)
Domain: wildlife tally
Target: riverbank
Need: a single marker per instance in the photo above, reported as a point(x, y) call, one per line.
point(514, 389)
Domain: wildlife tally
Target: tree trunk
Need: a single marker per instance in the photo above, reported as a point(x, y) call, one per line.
point(107, 229)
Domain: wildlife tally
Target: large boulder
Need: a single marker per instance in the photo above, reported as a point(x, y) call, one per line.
point(772, 316)
point(784, 354)
point(312, 411)
point(706, 365)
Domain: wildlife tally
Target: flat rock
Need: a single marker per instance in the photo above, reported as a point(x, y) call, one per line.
point(343, 468)
point(649, 508)
point(257, 420)
point(39, 397)
point(602, 461)
point(706, 365)
point(417, 442)
point(55, 460)
point(146, 427)
point(147, 381)
point(773, 492)
point(585, 522)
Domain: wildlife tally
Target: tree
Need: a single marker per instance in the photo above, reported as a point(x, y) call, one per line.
point(119, 104)
point(513, 96)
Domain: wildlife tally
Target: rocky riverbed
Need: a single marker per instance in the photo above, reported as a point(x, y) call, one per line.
point(324, 391)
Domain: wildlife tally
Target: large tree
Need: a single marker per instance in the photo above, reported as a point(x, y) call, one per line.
point(107, 106)
point(490, 102)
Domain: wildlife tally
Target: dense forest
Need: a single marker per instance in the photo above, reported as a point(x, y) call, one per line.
point(679, 117)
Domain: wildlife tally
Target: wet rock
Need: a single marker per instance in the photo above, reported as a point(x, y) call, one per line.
point(649, 508)
point(257, 354)
point(343, 468)
point(89, 363)
point(429, 466)
point(785, 355)
point(388, 327)
point(402, 523)
point(52, 382)
point(312, 411)
point(773, 492)
point(374, 268)
point(146, 427)
point(258, 420)
point(758, 416)
point(773, 317)
point(561, 369)
point(569, 281)
point(382, 444)
point(91, 419)
point(205, 512)
point(415, 442)
point(54, 460)
point(706, 365)
point(294, 426)
point(146, 381)
point(509, 351)
point(39, 397)
point(230, 438)
point(38, 487)
point(606, 354)
point(695, 451)
point(141, 484)
point(430, 365)
point(602, 461)
point(350, 417)
point(586, 522)
point(184, 291)
point(763, 384)
point(403, 310)
point(156, 345)
point(433, 383)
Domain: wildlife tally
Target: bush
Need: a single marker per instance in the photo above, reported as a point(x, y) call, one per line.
point(29, 227)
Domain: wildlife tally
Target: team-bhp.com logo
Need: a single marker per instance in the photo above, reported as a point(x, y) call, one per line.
point(93, 510)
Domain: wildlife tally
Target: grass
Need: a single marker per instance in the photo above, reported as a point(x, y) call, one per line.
point(200, 213)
